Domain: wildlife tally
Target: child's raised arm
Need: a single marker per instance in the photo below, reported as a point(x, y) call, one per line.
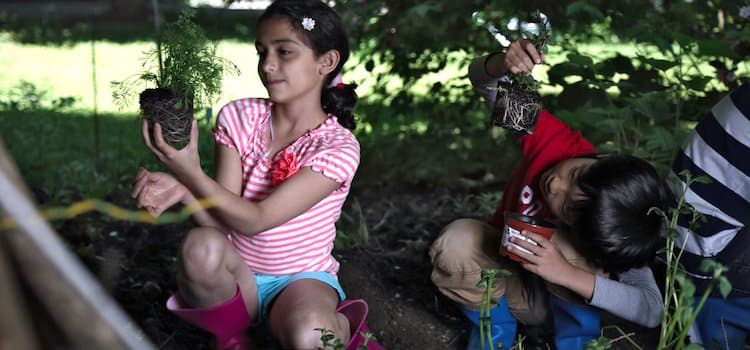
point(485, 71)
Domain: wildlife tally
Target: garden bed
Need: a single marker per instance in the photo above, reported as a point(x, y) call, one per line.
point(390, 269)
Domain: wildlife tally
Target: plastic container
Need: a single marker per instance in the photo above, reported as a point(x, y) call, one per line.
point(515, 223)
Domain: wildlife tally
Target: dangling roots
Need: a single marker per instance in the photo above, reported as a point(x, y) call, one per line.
point(170, 111)
point(516, 109)
point(175, 122)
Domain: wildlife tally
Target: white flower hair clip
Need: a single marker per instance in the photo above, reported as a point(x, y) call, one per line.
point(308, 23)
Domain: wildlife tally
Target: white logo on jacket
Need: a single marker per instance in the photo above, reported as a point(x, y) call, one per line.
point(527, 196)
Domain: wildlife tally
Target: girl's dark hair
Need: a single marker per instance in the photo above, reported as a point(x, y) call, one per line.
point(613, 225)
point(327, 34)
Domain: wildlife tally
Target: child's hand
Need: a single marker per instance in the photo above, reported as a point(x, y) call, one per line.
point(180, 162)
point(521, 57)
point(544, 260)
point(157, 191)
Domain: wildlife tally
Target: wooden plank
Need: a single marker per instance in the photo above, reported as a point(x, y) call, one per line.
point(16, 330)
point(84, 311)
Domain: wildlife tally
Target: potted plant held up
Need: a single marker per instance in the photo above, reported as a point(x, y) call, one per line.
point(187, 76)
point(517, 104)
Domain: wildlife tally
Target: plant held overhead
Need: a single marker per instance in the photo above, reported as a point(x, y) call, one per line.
point(187, 75)
point(518, 103)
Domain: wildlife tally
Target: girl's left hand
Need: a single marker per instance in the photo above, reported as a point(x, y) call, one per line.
point(180, 162)
point(545, 259)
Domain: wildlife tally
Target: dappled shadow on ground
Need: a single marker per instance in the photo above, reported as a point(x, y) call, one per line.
point(136, 262)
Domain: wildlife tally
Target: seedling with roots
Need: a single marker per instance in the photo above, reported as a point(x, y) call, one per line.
point(187, 74)
point(517, 103)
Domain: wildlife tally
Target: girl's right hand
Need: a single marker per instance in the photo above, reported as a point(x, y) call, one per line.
point(521, 57)
point(157, 191)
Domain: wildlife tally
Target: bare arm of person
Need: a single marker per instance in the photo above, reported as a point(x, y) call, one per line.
point(290, 199)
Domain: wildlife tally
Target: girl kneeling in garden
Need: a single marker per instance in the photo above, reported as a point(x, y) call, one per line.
point(284, 168)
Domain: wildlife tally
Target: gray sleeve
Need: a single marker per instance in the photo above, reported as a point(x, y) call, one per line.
point(635, 297)
point(483, 83)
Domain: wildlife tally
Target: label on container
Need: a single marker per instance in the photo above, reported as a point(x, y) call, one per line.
point(509, 232)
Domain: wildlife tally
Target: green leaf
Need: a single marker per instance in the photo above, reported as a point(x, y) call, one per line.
point(659, 63)
point(583, 7)
point(702, 179)
point(715, 48)
point(698, 83)
point(580, 60)
point(725, 287)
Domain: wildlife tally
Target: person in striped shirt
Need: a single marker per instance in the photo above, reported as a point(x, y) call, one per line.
point(719, 148)
point(285, 165)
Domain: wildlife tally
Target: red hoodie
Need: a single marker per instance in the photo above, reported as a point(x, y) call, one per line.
point(551, 142)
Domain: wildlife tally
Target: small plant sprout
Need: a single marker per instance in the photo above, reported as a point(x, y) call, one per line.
point(679, 294)
point(487, 283)
point(329, 340)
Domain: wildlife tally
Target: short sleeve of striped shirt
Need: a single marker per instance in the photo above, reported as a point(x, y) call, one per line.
point(236, 122)
point(339, 161)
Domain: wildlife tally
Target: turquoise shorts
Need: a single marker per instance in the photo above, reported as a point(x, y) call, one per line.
point(269, 287)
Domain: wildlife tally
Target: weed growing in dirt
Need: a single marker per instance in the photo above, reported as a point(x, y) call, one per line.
point(679, 293)
point(356, 232)
point(329, 340)
point(27, 97)
point(482, 204)
point(487, 283)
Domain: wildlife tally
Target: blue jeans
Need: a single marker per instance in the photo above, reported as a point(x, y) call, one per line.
point(575, 325)
point(724, 323)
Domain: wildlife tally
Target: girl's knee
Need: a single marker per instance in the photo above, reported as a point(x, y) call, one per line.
point(202, 253)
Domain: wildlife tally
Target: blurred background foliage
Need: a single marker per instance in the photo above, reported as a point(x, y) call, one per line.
point(633, 76)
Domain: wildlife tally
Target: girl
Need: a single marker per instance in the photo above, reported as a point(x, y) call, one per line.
point(284, 168)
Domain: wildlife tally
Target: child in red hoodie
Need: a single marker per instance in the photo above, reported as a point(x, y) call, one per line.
point(598, 261)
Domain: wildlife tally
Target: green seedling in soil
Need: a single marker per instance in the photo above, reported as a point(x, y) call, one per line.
point(330, 341)
point(487, 283)
point(679, 295)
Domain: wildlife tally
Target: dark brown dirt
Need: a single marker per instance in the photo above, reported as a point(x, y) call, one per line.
point(390, 269)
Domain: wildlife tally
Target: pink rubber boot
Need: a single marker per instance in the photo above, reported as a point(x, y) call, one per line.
point(226, 321)
point(356, 312)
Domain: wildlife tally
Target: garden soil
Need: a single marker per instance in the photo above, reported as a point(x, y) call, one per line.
point(390, 269)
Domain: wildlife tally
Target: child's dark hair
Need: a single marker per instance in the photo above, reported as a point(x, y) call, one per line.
point(613, 225)
point(327, 34)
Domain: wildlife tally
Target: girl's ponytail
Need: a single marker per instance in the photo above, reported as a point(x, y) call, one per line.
point(339, 100)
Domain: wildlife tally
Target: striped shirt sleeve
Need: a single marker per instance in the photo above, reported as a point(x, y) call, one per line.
point(718, 149)
point(235, 123)
point(338, 162)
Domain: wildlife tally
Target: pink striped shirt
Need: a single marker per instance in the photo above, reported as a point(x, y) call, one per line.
point(303, 243)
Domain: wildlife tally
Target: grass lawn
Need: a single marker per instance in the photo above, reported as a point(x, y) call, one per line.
point(67, 70)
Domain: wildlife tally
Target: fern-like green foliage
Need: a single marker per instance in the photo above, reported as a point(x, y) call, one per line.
point(191, 68)
point(185, 62)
